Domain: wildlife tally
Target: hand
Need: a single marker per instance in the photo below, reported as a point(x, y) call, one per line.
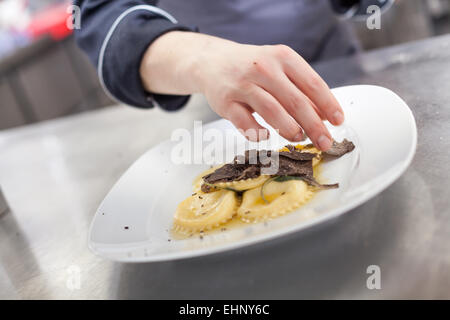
point(274, 81)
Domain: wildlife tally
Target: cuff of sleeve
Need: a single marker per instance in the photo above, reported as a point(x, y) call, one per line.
point(121, 56)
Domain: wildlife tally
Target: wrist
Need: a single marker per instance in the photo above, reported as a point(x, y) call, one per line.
point(181, 62)
point(207, 56)
point(164, 67)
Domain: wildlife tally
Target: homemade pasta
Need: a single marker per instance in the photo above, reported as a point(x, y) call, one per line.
point(203, 211)
point(239, 190)
point(273, 200)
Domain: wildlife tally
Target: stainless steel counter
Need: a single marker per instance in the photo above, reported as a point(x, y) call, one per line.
point(54, 175)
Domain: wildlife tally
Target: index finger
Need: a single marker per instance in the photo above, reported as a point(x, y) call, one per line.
point(314, 87)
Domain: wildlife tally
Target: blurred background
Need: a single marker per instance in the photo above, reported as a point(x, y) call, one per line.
point(43, 75)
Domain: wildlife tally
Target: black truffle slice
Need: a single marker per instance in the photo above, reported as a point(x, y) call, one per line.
point(291, 167)
point(297, 155)
point(294, 163)
point(338, 149)
point(233, 172)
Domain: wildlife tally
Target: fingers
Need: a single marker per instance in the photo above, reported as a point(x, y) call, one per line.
point(317, 110)
point(301, 108)
point(271, 110)
point(303, 112)
point(240, 115)
point(314, 87)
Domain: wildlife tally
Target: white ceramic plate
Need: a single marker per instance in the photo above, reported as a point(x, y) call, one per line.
point(132, 223)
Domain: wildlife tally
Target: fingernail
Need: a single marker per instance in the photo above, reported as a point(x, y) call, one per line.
point(324, 142)
point(338, 117)
point(298, 136)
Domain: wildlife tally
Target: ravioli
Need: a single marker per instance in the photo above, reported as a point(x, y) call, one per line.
point(239, 189)
point(198, 181)
point(279, 199)
point(203, 211)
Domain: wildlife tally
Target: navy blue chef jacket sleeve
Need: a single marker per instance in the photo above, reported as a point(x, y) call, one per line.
point(115, 35)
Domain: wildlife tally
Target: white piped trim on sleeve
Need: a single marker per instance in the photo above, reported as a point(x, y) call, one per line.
point(111, 30)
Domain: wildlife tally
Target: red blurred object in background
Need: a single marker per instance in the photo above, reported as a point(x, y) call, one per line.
point(51, 21)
